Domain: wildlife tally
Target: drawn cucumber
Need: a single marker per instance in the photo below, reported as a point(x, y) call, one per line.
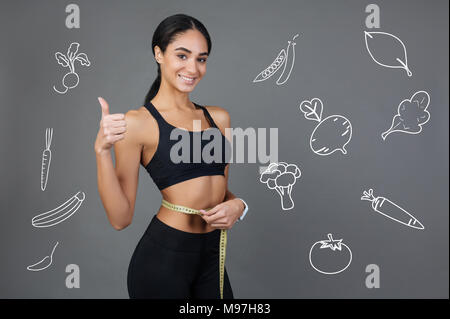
point(60, 213)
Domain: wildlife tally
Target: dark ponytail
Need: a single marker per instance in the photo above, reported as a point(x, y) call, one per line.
point(165, 33)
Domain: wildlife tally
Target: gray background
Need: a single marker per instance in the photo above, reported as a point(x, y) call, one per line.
point(267, 254)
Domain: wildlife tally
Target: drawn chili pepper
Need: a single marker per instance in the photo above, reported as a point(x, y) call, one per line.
point(44, 262)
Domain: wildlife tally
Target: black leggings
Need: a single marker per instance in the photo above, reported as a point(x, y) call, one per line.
point(173, 264)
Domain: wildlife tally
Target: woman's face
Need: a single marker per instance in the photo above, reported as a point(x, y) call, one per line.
point(184, 62)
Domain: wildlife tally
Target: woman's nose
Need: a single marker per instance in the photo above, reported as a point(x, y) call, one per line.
point(191, 67)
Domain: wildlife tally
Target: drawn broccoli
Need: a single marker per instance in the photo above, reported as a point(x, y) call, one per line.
point(281, 177)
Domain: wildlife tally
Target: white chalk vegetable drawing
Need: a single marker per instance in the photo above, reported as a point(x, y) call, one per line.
point(285, 58)
point(331, 134)
point(399, 61)
point(331, 249)
point(60, 213)
point(391, 210)
point(71, 79)
point(46, 158)
point(44, 263)
point(282, 177)
point(411, 115)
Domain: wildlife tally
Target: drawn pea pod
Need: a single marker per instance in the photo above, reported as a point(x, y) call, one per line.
point(272, 68)
point(290, 60)
point(284, 58)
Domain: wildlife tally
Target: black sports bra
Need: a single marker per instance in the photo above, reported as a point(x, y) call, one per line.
point(166, 172)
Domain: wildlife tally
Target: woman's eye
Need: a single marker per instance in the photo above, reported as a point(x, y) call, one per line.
point(181, 56)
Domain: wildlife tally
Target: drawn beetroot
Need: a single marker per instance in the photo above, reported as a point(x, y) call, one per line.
point(331, 134)
point(71, 79)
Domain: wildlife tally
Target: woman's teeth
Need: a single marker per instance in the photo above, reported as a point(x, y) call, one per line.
point(186, 79)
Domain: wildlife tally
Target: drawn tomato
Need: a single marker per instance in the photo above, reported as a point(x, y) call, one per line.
point(330, 256)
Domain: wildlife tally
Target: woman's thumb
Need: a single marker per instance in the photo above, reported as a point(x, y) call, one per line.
point(104, 105)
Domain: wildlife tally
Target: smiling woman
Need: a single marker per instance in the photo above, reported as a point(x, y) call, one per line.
point(182, 252)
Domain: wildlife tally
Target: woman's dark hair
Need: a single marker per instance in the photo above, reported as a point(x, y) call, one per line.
point(165, 33)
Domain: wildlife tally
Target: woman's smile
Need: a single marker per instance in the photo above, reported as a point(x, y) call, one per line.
point(187, 80)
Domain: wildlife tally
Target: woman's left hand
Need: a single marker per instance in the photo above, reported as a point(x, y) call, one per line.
point(224, 215)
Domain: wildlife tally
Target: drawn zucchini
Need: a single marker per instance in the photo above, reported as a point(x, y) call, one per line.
point(60, 213)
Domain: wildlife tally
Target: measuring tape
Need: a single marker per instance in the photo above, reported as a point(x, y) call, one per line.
point(223, 237)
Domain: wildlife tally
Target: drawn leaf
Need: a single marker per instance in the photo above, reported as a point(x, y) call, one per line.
point(312, 109)
point(411, 115)
point(396, 122)
point(61, 58)
point(422, 98)
point(397, 59)
point(82, 57)
point(73, 49)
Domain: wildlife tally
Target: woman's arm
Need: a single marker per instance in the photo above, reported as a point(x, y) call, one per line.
point(222, 119)
point(230, 196)
point(118, 186)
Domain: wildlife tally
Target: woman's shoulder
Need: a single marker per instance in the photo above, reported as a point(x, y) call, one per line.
point(140, 123)
point(135, 117)
point(219, 114)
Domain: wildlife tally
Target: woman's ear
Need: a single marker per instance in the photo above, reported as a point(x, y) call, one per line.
point(158, 54)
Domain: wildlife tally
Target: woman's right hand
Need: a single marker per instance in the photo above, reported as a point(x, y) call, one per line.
point(112, 128)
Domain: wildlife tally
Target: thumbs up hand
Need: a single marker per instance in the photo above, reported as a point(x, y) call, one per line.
point(112, 128)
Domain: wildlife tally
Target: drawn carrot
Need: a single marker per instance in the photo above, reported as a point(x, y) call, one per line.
point(391, 210)
point(46, 158)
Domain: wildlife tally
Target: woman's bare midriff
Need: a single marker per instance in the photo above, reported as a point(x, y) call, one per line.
point(197, 193)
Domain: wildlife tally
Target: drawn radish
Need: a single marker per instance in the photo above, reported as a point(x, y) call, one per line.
point(71, 79)
point(331, 134)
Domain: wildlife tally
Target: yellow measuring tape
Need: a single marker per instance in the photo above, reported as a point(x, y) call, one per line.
point(223, 237)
